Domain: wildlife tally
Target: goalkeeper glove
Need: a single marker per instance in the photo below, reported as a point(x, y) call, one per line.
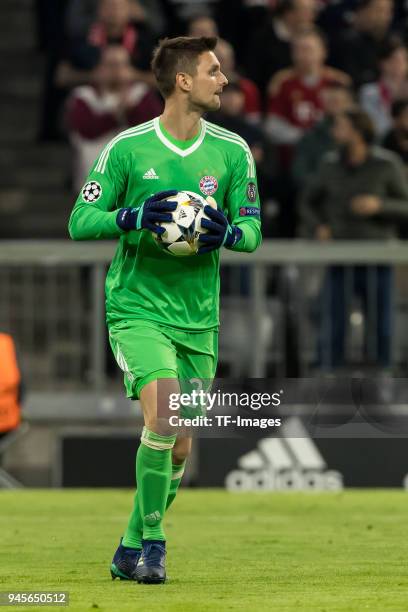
point(220, 232)
point(154, 210)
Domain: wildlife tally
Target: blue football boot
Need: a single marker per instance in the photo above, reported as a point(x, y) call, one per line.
point(124, 562)
point(150, 568)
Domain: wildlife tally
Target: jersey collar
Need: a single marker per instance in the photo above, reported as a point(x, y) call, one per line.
point(173, 147)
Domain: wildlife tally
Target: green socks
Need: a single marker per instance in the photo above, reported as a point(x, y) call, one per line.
point(157, 483)
point(177, 472)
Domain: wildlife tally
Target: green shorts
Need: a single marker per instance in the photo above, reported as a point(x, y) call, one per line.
point(147, 351)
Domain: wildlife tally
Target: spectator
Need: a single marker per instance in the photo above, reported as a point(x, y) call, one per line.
point(295, 94)
point(112, 26)
point(82, 13)
point(202, 25)
point(252, 99)
point(377, 98)
point(95, 113)
point(319, 139)
point(356, 50)
point(396, 139)
point(180, 13)
point(360, 193)
point(232, 117)
point(10, 386)
point(269, 47)
point(51, 34)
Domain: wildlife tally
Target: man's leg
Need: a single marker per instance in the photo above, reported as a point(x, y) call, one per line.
point(332, 332)
point(181, 451)
point(154, 457)
point(385, 303)
point(134, 532)
point(145, 355)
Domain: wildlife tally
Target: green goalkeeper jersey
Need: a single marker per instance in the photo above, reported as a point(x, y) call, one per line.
point(145, 282)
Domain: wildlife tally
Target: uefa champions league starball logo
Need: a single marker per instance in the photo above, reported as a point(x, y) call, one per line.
point(91, 192)
point(208, 185)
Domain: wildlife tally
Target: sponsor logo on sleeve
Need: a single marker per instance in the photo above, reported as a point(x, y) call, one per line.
point(91, 192)
point(208, 185)
point(249, 211)
point(251, 192)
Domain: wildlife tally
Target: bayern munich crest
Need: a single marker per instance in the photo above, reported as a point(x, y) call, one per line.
point(92, 191)
point(208, 185)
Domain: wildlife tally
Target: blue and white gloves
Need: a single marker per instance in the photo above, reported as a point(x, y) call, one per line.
point(220, 231)
point(146, 216)
point(157, 209)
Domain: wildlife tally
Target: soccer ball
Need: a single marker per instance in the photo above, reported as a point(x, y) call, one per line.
point(181, 235)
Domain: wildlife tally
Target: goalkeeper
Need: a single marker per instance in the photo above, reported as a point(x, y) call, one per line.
point(163, 311)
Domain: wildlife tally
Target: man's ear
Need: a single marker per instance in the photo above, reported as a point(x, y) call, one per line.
point(184, 81)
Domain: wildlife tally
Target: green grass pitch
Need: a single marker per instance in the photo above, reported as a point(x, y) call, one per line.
point(259, 551)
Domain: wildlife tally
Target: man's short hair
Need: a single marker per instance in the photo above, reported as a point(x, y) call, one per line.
point(175, 55)
point(362, 123)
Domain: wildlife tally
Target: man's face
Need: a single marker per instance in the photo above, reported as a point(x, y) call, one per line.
point(395, 66)
point(208, 82)
point(336, 100)
point(342, 131)
point(115, 67)
point(203, 26)
point(114, 12)
point(308, 53)
point(232, 102)
point(377, 16)
point(302, 15)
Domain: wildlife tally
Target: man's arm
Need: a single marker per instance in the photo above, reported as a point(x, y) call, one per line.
point(239, 228)
point(311, 198)
point(243, 203)
point(94, 214)
point(396, 202)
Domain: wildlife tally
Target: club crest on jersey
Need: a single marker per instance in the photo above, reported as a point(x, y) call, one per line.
point(91, 192)
point(208, 185)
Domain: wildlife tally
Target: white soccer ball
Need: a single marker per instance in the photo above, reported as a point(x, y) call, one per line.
point(181, 234)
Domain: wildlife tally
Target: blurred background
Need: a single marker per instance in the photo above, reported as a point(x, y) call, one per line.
point(319, 89)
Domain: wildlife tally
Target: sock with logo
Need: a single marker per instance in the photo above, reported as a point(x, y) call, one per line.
point(153, 473)
point(134, 531)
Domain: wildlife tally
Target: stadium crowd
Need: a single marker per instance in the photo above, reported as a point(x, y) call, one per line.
point(293, 65)
point(319, 89)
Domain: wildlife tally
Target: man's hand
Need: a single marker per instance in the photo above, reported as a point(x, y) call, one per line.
point(365, 205)
point(323, 233)
point(154, 210)
point(220, 232)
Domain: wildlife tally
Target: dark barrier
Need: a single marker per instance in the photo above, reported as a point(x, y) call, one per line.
point(242, 464)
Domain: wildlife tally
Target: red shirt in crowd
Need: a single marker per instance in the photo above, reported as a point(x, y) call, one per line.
point(299, 101)
point(252, 103)
point(92, 114)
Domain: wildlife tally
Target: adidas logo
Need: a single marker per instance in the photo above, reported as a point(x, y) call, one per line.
point(153, 518)
point(150, 174)
point(291, 462)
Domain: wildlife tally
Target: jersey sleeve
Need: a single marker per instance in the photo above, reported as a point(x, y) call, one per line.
point(94, 214)
point(243, 207)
